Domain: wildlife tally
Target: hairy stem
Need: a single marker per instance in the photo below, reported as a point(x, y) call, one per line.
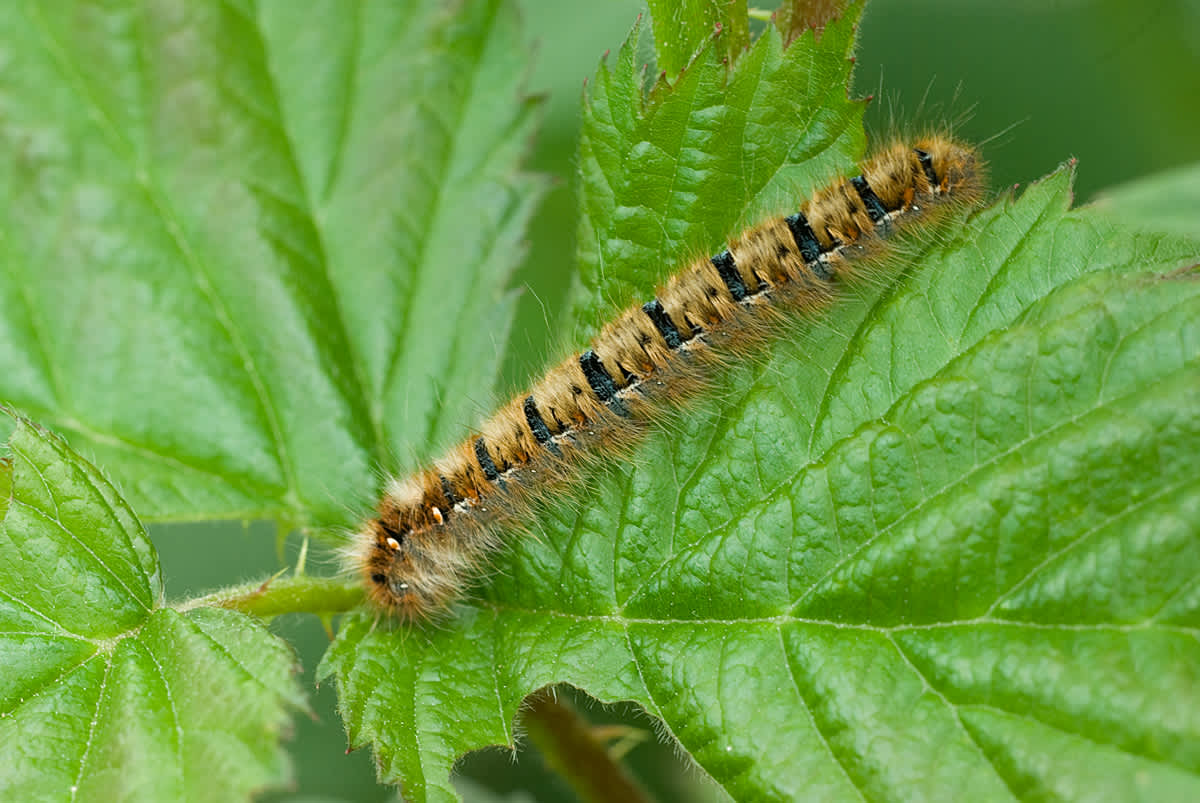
point(573, 748)
point(278, 595)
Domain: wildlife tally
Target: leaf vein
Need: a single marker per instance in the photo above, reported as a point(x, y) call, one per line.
point(791, 673)
point(87, 746)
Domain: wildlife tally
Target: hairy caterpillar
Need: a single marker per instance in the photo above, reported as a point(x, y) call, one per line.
point(436, 530)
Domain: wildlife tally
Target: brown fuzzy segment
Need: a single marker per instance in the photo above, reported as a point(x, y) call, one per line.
point(435, 531)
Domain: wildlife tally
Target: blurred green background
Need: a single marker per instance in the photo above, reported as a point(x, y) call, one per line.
point(1114, 83)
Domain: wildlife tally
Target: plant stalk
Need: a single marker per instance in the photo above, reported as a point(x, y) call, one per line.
point(323, 596)
point(573, 748)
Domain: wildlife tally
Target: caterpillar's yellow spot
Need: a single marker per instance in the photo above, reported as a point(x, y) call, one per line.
point(436, 531)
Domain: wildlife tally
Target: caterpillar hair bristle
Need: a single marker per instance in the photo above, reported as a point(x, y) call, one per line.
point(435, 532)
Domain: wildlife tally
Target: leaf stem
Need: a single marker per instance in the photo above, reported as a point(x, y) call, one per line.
point(575, 749)
point(276, 595)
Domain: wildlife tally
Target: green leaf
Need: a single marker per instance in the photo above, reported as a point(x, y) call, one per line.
point(107, 695)
point(947, 536)
point(5, 484)
point(945, 539)
point(1166, 202)
point(680, 28)
point(1009, 551)
point(677, 171)
point(252, 250)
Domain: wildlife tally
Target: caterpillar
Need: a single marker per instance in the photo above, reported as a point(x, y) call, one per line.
point(435, 532)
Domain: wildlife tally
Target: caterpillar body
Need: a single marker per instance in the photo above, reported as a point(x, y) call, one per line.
point(434, 532)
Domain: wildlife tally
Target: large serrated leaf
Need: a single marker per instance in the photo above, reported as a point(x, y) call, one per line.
point(853, 623)
point(919, 550)
point(106, 695)
point(247, 247)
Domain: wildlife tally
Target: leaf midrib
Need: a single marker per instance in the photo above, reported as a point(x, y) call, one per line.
point(373, 411)
point(421, 276)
